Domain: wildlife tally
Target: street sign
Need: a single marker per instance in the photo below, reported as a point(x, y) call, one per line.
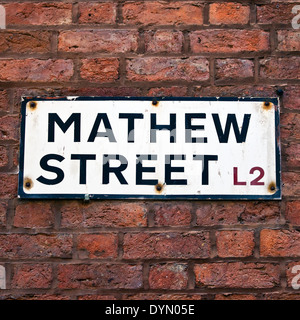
point(145, 148)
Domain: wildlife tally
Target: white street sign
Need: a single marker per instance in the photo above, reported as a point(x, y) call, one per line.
point(169, 148)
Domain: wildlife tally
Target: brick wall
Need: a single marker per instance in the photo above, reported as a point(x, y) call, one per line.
point(149, 249)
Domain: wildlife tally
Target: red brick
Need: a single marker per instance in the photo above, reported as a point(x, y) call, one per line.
point(97, 246)
point(229, 41)
point(4, 104)
point(163, 13)
point(30, 296)
point(35, 70)
point(115, 215)
point(290, 126)
point(237, 275)
point(291, 154)
point(103, 214)
point(291, 184)
point(293, 270)
point(168, 214)
point(229, 13)
point(34, 215)
point(166, 245)
point(275, 13)
point(161, 296)
point(100, 69)
point(43, 13)
point(281, 296)
point(168, 276)
point(97, 13)
point(231, 296)
point(25, 42)
point(235, 243)
point(242, 212)
point(8, 185)
point(235, 90)
point(173, 91)
point(291, 97)
point(9, 128)
point(163, 41)
point(292, 212)
point(279, 243)
point(280, 68)
point(32, 276)
point(167, 69)
point(3, 156)
point(288, 40)
point(104, 276)
point(3, 209)
point(115, 41)
point(20, 246)
point(96, 297)
point(234, 69)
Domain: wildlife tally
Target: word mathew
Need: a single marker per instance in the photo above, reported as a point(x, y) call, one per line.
point(107, 132)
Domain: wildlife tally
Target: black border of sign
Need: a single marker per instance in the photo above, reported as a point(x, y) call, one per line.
point(275, 196)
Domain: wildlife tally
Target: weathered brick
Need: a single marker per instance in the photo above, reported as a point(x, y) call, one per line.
point(32, 276)
point(235, 243)
point(97, 246)
point(242, 212)
point(290, 126)
point(100, 69)
point(280, 68)
point(103, 214)
point(173, 91)
point(115, 41)
point(237, 275)
point(30, 296)
point(106, 276)
point(275, 13)
point(281, 296)
point(34, 215)
point(229, 41)
point(234, 69)
point(292, 212)
point(172, 214)
point(21, 246)
point(161, 296)
point(96, 297)
point(97, 13)
point(25, 42)
point(279, 243)
point(167, 69)
point(163, 13)
point(4, 105)
point(291, 97)
point(3, 209)
point(235, 90)
point(8, 185)
point(229, 13)
point(166, 245)
point(3, 156)
point(231, 296)
point(35, 70)
point(163, 41)
point(288, 40)
point(9, 128)
point(291, 184)
point(291, 154)
point(168, 276)
point(43, 13)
